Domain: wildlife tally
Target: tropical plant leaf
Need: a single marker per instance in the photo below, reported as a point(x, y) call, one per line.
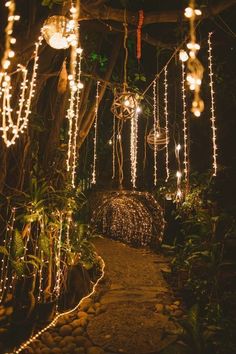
point(4, 251)
point(19, 267)
point(44, 244)
point(18, 245)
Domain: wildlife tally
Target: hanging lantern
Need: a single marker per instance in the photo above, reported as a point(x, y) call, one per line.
point(125, 105)
point(59, 32)
point(160, 139)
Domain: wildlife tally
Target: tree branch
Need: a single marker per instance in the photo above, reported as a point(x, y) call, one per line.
point(112, 14)
point(90, 116)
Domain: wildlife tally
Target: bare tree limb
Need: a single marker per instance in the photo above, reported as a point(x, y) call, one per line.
point(90, 116)
point(112, 14)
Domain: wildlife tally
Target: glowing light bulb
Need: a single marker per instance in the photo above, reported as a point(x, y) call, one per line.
point(178, 174)
point(80, 85)
point(183, 56)
point(138, 109)
point(178, 147)
point(79, 50)
point(57, 41)
point(126, 103)
point(198, 12)
point(188, 12)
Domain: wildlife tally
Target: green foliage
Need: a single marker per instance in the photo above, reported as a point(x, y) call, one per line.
point(50, 3)
point(101, 59)
point(18, 245)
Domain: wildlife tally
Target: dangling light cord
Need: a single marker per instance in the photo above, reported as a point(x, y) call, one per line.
point(213, 115)
point(75, 89)
point(95, 135)
point(155, 131)
point(178, 174)
point(114, 148)
point(195, 68)
point(166, 123)
point(77, 105)
point(6, 258)
point(40, 290)
point(134, 148)
point(8, 52)
point(185, 129)
point(11, 130)
point(57, 287)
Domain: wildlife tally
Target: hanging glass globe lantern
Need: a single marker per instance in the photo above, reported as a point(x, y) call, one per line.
point(59, 32)
point(160, 139)
point(125, 105)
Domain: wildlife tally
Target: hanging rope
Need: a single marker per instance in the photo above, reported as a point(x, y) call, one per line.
point(125, 85)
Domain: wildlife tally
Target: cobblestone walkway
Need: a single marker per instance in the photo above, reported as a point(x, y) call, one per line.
point(130, 312)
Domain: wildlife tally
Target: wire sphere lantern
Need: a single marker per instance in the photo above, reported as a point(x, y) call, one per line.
point(125, 105)
point(59, 32)
point(160, 139)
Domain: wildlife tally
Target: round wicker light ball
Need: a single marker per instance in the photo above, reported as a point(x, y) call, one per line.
point(125, 105)
point(59, 32)
point(161, 139)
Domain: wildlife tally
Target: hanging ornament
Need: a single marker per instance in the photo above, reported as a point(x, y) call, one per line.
point(213, 115)
point(195, 68)
point(125, 104)
point(139, 29)
point(12, 123)
point(95, 135)
point(158, 138)
point(59, 32)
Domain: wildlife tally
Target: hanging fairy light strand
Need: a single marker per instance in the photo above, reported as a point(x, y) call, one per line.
point(195, 68)
point(13, 124)
point(213, 115)
point(166, 123)
point(75, 91)
point(155, 130)
point(9, 40)
point(185, 127)
point(178, 174)
point(5, 258)
point(95, 135)
point(134, 149)
point(114, 148)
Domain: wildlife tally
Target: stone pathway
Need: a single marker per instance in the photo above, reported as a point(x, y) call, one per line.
point(130, 312)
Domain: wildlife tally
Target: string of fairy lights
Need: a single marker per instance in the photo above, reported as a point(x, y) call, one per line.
point(134, 149)
point(33, 338)
point(166, 123)
point(95, 135)
point(155, 130)
point(113, 142)
point(213, 115)
point(76, 86)
point(195, 68)
point(13, 124)
point(185, 126)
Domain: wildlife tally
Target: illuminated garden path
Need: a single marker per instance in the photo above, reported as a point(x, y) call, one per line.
point(128, 314)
